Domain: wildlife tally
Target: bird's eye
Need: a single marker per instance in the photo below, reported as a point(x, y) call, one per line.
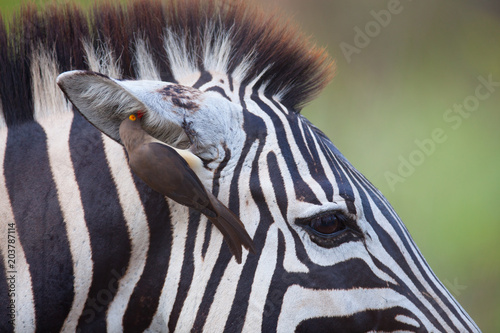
point(330, 229)
point(132, 117)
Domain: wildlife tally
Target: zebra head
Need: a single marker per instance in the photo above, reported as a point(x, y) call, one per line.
point(331, 251)
point(226, 83)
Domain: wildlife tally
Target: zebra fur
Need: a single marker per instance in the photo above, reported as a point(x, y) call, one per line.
point(98, 250)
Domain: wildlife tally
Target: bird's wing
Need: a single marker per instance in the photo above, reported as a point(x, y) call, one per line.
point(166, 172)
point(192, 160)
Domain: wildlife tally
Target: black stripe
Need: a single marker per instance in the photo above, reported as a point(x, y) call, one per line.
point(402, 232)
point(204, 78)
point(278, 184)
point(403, 289)
point(240, 305)
point(40, 224)
point(250, 123)
point(302, 190)
point(316, 168)
point(206, 239)
point(256, 130)
point(390, 247)
point(108, 233)
point(303, 141)
point(214, 281)
point(365, 321)
point(17, 103)
point(220, 91)
point(382, 204)
point(15, 77)
point(230, 79)
point(144, 301)
point(215, 192)
point(338, 276)
point(345, 189)
point(277, 290)
point(416, 255)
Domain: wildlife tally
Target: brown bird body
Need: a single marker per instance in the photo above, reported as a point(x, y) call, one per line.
point(167, 172)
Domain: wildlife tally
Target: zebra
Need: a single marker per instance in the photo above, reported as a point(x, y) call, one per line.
point(89, 247)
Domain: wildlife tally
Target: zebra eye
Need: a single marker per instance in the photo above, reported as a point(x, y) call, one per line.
point(330, 229)
point(327, 225)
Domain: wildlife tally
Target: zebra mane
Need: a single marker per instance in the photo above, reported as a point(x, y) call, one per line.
point(178, 37)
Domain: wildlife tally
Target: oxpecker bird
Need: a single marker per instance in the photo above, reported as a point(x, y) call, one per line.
point(169, 171)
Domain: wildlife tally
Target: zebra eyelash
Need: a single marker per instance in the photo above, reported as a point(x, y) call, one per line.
point(346, 228)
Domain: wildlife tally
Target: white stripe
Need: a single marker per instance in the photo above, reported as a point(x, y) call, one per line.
point(2, 117)
point(343, 253)
point(346, 251)
point(407, 320)
point(102, 60)
point(57, 129)
point(426, 269)
point(203, 268)
point(182, 62)
point(224, 85)
point(224, 296)
point(324, 162)
point(313, 184)
point(291, 263)
point(252, 83)
point(25, 306)
point(375, 247)
point(145, 65)
point(307, 144)
point(138, 231)
point(55, 117)
point(300, 304)
point(250, 217)
point(216, 49)
point(48, 99)
point(239, 73)
point(179, 215)
point(260, 287)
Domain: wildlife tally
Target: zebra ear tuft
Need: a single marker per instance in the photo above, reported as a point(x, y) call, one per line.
point(100, 99)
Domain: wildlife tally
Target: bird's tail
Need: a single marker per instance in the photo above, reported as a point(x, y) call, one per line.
point(232, 228)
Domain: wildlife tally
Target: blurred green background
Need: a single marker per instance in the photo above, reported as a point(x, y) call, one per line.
point(395, 90)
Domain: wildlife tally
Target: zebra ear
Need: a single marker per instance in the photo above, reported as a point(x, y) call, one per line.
point(100, 99)
point(172, 112)
point(106, 102)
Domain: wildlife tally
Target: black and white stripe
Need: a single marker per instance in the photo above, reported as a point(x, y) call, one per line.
point(97, 250)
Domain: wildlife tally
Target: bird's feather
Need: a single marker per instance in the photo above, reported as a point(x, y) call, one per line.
point(163, 169)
